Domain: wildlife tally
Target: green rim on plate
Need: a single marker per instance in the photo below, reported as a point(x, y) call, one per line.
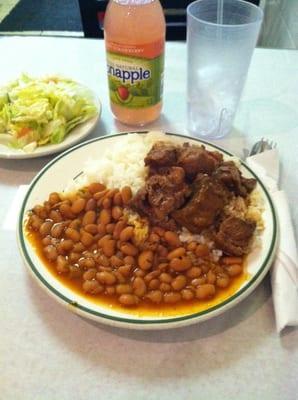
point(85, 310)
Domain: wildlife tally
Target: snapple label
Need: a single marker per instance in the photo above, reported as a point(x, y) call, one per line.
point(135, 74)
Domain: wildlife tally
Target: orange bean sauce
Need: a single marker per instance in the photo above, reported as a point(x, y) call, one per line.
point(144, 308)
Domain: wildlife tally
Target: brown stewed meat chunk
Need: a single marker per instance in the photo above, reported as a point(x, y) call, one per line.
point(196, 159)
point(231, 177)
point(234, 235)
point(209, 198)
point(162, 194)
point(162, 154)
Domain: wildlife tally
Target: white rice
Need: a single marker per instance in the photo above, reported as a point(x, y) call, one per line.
point(121, 164)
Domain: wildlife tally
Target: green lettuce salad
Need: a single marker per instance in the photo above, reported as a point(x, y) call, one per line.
point(35, 112)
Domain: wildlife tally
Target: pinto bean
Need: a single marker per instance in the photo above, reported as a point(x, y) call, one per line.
point(103, 260)
point(101, 230)
point(103, 239)
point(172, 239)
point(126, 194)
point(187, 294)
point(180, 264)
point(116, 261)
point(40, 211)
point(117, 212)
point(177, 253)
point(154, 284)
point(50, 252)
point(120, 225)
point(117, 199)
point(110, 228)
point(66, 245)
point(125, 270)
point(111, 193)
point(194, 272)
point(55, 216)
point(202, 250)
point(172, 297)
point(100, 195)
point(92, 287)
point(78, 247)
point(129, 260)
point(151, 275)
point(139, 287)
point(179, 282)
point(126, 234)
point(129, 249)
point(106, 278)
point(91, 228)
point(123, 288)
point(205, 291)
point(145, 259)
point(62, 265)
point(45, 228)
point(75, 224)
point(232, 260)
point(90, 205)
point(155, 296)
point(46, 240)
point(89, 218)
point(234, 269)
point(106, 203)
point(86, 238)
point(165, 287)
point(120, 277)
point(54, 198)
point(108, 247)
point(198, 281)
point(222, 280)
point(105, 216)
point(74, 257)
point(96, 187)
point(139, 272)
point(65, 210)
point(211, 277)
point(165, 277)
point(57, 229)
point(128, 300)
point(78, 205)
point(72, 234)
point(89, 274)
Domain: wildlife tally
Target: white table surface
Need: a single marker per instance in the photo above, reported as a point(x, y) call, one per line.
point(48, 353)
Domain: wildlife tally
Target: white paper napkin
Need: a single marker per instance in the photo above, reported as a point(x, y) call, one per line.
point(284, 272)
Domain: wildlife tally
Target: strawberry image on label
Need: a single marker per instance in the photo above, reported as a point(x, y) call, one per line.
point(123, 92)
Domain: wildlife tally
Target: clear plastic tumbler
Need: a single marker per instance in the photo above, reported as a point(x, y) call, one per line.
point(221, 37)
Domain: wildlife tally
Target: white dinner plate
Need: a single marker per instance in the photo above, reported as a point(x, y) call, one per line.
point(54, 177)
point(74, 136)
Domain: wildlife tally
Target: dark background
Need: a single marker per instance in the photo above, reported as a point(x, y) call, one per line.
point(83, 15)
